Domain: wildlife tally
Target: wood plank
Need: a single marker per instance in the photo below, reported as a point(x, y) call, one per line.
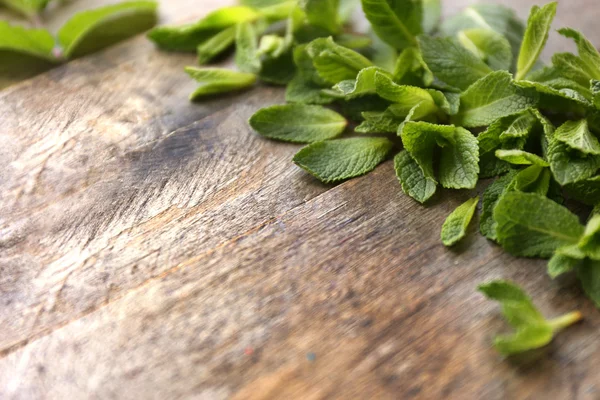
point(351, 276)
point(168, 238)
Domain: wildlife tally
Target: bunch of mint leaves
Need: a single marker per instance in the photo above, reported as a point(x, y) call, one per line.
point(26, 52)
point(454, 102)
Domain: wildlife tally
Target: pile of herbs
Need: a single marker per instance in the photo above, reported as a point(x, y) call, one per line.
point(467, 99)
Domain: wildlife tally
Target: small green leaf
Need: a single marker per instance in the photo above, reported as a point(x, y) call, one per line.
point(335, 63)
point(560, 264)
point(535, 37)
point(410, 69)
point(493, 193)
point(340, 159)
point(363, 84)
point(577, 135)
point(28, 8)
point(490, 46)
point(397, 22)
point(217, 80)
point(246, 48)
point(532, 329)
point(520, 157)
point(90, 31)
point(302, 91)
point(455, 226)
point(189, 37)
point(323, 14)
point(451, 62)
point(405, 97)
point(414, 182)
point(298, 123)
point(570, 166)
point(533, 179)
point(216, 45)
point(24, 53)
point(589, 243)
point(524, 228)
point(588, 53)
point(492, 97)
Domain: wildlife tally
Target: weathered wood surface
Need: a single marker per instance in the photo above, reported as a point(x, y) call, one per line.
point(147, 243)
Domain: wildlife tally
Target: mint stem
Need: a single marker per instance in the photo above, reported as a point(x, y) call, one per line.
point(565, 321)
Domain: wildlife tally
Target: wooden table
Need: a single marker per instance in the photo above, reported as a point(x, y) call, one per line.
point(154, 248)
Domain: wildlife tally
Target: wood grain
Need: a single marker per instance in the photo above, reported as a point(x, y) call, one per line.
point(154, 248)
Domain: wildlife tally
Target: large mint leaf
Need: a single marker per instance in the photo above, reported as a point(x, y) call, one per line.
point(90, 31)
point(536, 35)
point(414, 182)
point(451, 62)
point(217, 80)
point(492, 97)
point(455, 226)
point(298, 123)
point(490, 46)
point(188, 37)
point(337, 160)
point(396, 22)
point(524, 228)
point(24, 53)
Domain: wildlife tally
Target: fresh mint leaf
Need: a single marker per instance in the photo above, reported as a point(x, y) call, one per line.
point(577, 136)
point(300, 90)
point(363, 84)
point(246, 46)
point(28, 8)
point(532, 329)
point(405, 97)
point(570, 166)
point(536, 36)
point(491, 196)
point(89, 31)
point(24, 53)
point(298, 123)
point(452, 63)
point(520, 157)
point(410, 69)
point(189, 37)
point(340, 159)
point(414, 182)
point(397, 22)
point(573, 68)
point(455, 226)
point(533, 179)
point(493, 96)
point(217, 80)
point(588, 53)
point(524, 229)
point(278, 70)
point(490, 46)
point(589, 243)
point(216, 45)
point(586, 191)
point(560, 264)
point(323, 14)
point(595, 89)
point(589, 276)
point(459, 153)
point(335, 63)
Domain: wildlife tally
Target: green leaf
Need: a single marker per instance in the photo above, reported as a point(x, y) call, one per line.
point(560, 264)
point(524, 228)
point(535, 37)
point(492, 97)
point(337, 160)
point(410, 69)
point(278, 70)
point(532, 329)
point(520, 157)
point(459, 156)
point(589, 243)
point(455, 226)
point(589, 276)
point(300, 90)
point(89, 31)
point(570, 166)
point(216, 45)
point(28, 8)
point(451, 62)
point(335, 63)
point(491, 196)
point(246, 48)
point(577, 136)
point(323, 14)
point(24, 53)
point(414, 182)
point(298, 123)
point(595, 88)
point(432, 13)
point(217, 80)
point(397, 22)
point(490, 46)
point(189, 37)
point(533, 179)
point(405, 97)
point(587, 52)
point(363, 84)
point(496, 17)
point(586, 191)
